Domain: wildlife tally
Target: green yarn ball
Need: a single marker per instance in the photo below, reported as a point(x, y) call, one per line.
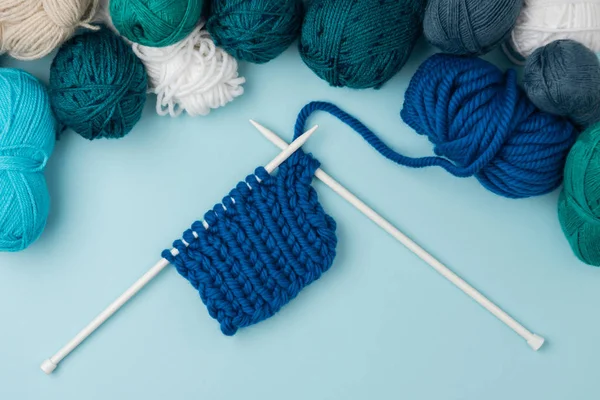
point(97, 85)
point(256, 31)
point(579, 202)
point(155, 23)
point(360, 44)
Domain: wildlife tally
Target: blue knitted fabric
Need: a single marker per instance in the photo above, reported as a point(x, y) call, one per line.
point(267, 240)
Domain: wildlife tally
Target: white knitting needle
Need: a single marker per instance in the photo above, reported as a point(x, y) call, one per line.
point(534, 341)
point(51, 363)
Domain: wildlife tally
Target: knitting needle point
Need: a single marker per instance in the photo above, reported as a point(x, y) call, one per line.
point(534, 341)
point(51, 363)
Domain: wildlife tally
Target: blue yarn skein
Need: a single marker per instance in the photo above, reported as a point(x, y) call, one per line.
point(483, 123)
point(27, 136)
point(261, 247)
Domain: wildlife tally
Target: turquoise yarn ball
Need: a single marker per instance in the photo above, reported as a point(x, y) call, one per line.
point(97, 85)
point(470, 27)
point(155, 23)
point(27, 136)
point(256, 31)
point(360, 44)
point(563, 78)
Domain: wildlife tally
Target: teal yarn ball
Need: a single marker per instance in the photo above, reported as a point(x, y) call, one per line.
point(97, 85)
point(155, 23)
point(256, 31)
point(563, 78)
point(469, 27)
point(360, 44)
point(579, 202)
point(27, 136)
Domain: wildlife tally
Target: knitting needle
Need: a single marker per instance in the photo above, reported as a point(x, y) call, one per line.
point(534, 341)
point(51, 363)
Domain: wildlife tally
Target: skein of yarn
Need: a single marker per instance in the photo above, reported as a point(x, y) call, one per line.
point(469, 27)
point(482, 124)
point(544, 21)
point(31, 29)
point(360, 44)
point(193, 75)
point(155, 23)
point(256, 31)
point(27, 136)
point(98, 85)
point(579, 202)
point(563, 78)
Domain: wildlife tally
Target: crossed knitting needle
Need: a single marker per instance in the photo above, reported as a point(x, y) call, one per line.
point(533, 340)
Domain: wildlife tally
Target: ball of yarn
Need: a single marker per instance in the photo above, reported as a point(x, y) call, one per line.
point(31, 29)
point(256, 31)
point(98, 85)
point(563, 78)
point(579, 202)
point(27, 136)
point(155, 23)
point(544, 21)
point(193, 75)
point(482, 124)
point(360, 44)
point(469, 27)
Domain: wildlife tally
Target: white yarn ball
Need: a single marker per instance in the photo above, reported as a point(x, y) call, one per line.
point(193, 75)
point(544, 21)
point(31, 29)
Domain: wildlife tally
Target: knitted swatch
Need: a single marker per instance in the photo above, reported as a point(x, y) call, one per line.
point(267, 240)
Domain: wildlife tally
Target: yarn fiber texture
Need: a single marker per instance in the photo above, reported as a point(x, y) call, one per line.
point(31, 29)
point(98, 85)
point(155, 23)
point(544, 21)
point(360, 43)
point(193, 75)
point(469, 27)
point(263, 244)
point(579, 202)
point(256, 31)
point(27, 136)
point(482, 124)
point(563, 78)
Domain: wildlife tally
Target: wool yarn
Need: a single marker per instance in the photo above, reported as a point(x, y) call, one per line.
point(262, 245)
point(155, 23)
point(360, 44)
point(193, 75)
point(98, 85)
point(469, 27)
point(563, 78)
point(482, 124)
point(544, 21)
point(256, 31)
point(579, 202)
point(27, 136)
point(31, 29)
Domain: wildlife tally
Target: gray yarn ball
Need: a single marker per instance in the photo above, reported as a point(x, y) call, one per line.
point(469, 27)
point(563, 78)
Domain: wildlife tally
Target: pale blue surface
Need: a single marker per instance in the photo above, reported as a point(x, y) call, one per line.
point(380, 324)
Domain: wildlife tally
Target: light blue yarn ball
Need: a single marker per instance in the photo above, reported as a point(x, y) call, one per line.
point(27, 136)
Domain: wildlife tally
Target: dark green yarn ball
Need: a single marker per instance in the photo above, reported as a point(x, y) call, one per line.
point(97, 85)
point(579, 202)
point(256, 31)
point(155, 23)
point(360, 43)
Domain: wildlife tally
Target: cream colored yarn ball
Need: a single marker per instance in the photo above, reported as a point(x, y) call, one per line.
point(192, 76)
point(31, 29)
point(544, 21)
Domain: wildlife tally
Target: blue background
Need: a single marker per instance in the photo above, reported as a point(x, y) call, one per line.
point(379, 324)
